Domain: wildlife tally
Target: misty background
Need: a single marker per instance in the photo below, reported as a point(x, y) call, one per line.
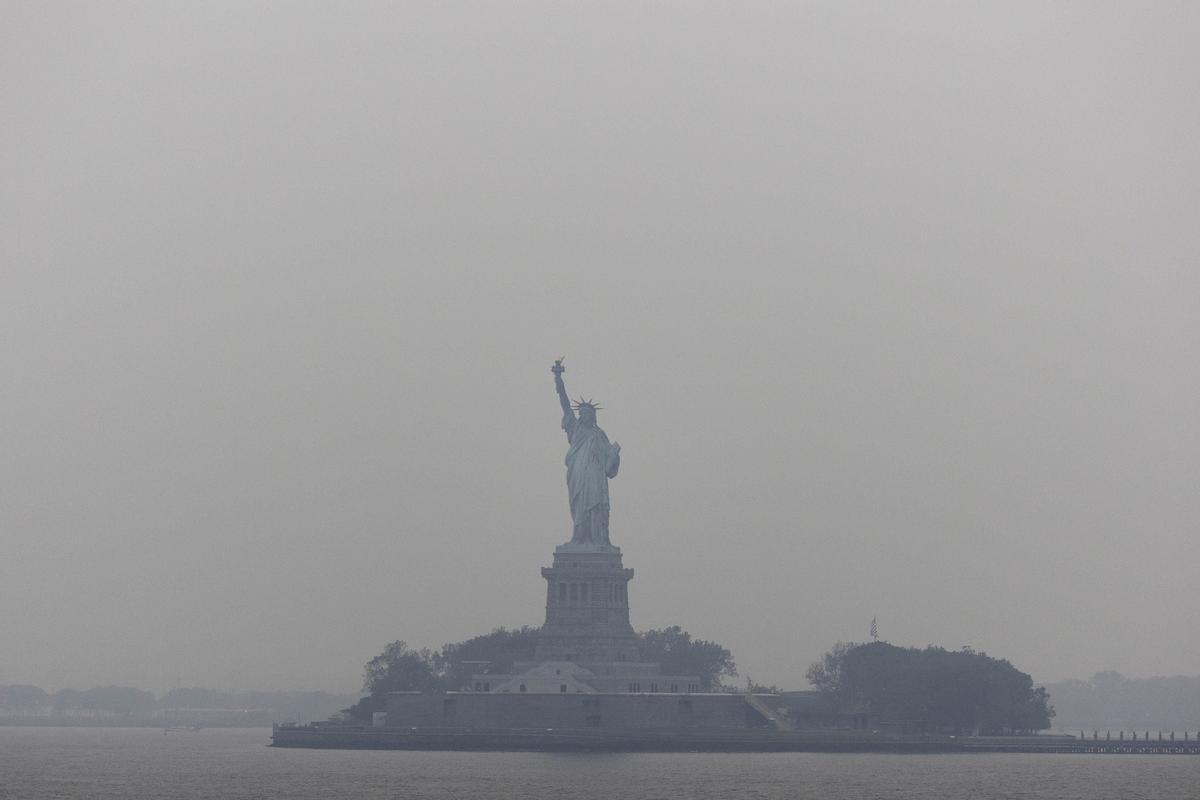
point(892, 308)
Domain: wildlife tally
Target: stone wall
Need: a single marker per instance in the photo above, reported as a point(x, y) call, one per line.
point(482, 711)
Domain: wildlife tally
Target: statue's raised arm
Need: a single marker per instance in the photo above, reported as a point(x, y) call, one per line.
point(558, 369)
point(591, 461)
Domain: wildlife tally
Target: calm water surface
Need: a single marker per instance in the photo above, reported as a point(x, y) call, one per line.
point(143, 763)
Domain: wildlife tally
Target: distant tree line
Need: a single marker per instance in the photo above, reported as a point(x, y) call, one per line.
point(1110, 701)
point(932, 689)
point(125, 701)
point(400, 668)
point(111, 699)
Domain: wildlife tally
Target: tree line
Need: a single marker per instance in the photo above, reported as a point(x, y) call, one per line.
point(126, 701)
point(400, 668)
point(932, 689)
point(1109, 700)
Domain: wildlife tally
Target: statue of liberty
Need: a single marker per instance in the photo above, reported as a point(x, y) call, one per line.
point(591, 461)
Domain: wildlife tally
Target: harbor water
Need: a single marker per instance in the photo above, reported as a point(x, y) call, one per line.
point(146, 763)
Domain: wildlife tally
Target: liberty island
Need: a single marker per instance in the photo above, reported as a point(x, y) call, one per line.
point(587, 674)
point(588, 687)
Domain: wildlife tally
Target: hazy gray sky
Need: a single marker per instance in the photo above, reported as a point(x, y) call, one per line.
point(892, 307)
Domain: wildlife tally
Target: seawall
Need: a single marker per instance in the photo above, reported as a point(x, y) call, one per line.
point(675, 741)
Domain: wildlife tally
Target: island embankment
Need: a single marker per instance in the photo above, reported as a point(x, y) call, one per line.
point(674, 741)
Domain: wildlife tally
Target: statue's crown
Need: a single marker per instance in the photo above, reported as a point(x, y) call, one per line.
point(581, 404)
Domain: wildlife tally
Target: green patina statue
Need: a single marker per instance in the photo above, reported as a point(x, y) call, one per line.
point(591, 461)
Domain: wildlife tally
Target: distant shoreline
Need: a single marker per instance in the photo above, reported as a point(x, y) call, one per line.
point(116, 723)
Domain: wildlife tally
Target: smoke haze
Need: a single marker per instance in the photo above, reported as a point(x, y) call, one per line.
point(892, 308)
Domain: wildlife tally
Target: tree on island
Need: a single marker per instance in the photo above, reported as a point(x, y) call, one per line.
point(400, 668)
point(677, 653)
point(397, 669)
point(932, 689)
point(500, 649)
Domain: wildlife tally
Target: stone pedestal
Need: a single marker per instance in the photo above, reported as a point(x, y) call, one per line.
point(587, 607)
point(587, 645)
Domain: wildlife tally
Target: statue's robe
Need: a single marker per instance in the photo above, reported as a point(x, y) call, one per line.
point(591, 461)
